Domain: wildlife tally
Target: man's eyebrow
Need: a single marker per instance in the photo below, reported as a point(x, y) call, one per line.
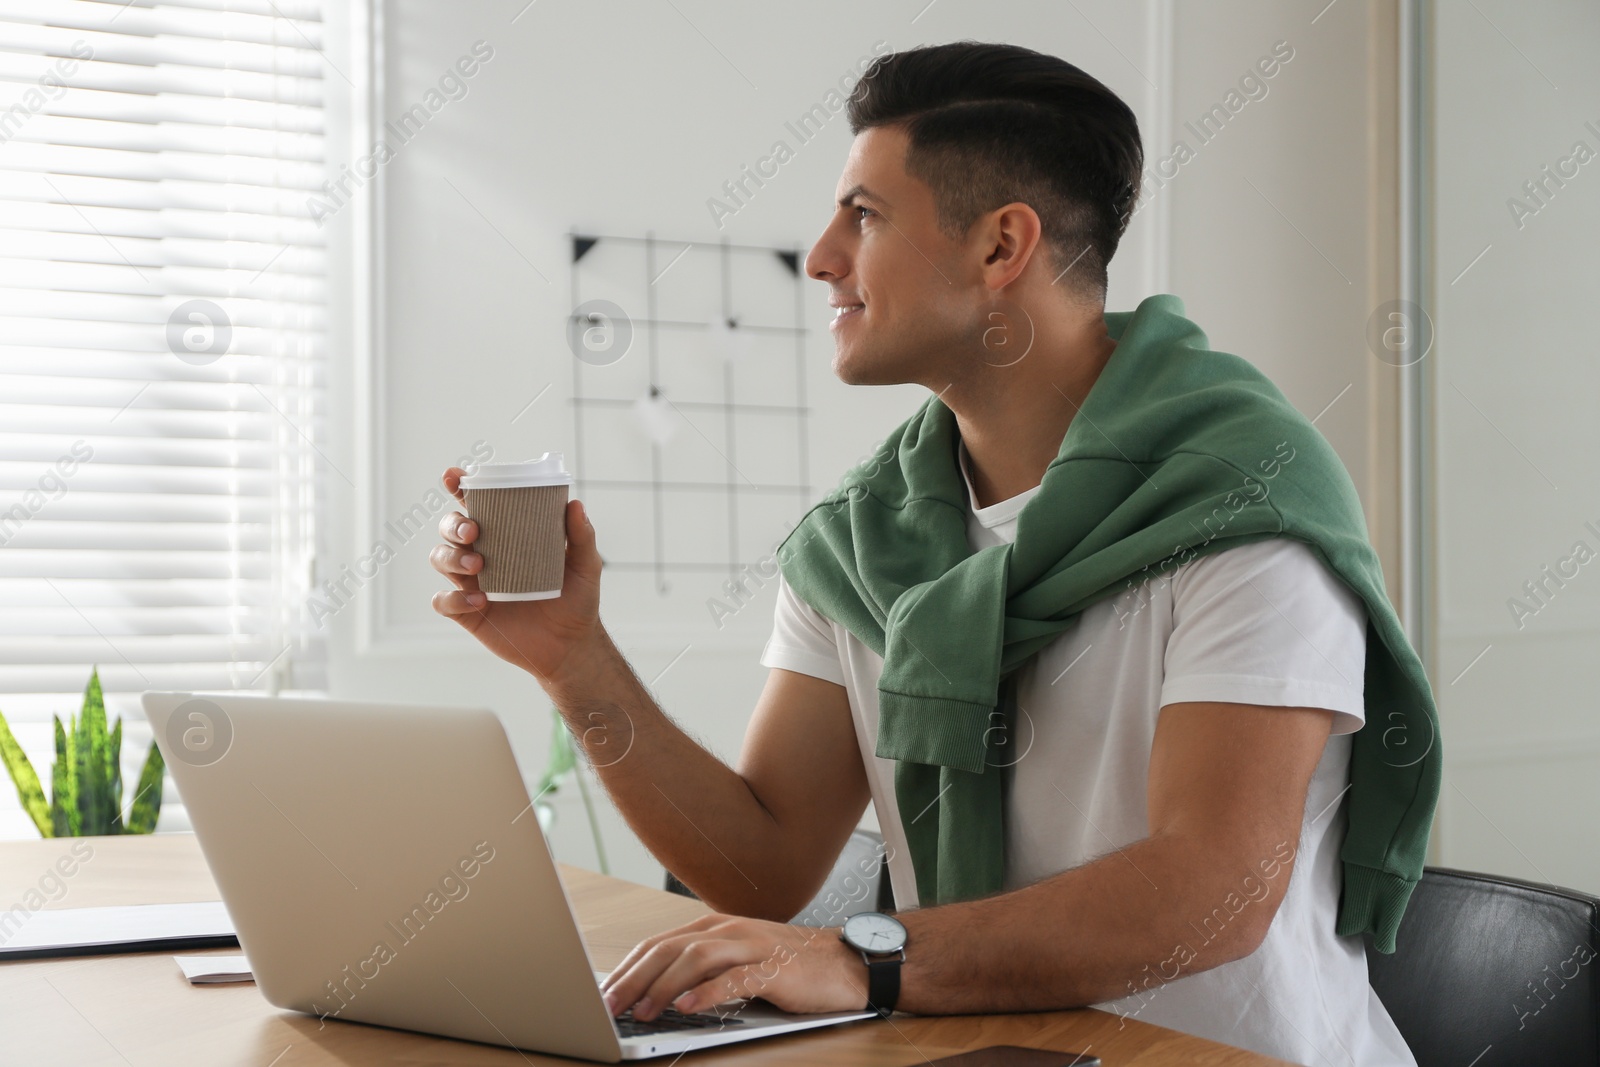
point(863, 192)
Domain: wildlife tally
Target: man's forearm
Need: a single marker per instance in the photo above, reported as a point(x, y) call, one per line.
point(1123, 924)
point(694, 813)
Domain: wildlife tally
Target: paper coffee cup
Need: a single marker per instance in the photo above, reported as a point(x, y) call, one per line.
point(521, 512)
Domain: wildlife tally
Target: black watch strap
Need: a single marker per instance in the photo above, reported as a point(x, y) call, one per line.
point(883, 982)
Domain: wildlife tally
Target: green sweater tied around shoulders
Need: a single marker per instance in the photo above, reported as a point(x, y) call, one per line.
point(1178, 451)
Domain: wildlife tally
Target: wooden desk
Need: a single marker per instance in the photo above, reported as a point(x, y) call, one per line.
point(137, 1009)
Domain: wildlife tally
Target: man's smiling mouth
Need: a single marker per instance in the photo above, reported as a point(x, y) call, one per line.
point(844, 312)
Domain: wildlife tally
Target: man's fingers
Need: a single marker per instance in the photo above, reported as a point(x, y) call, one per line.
point(635, 954)
point(453, 602)
point(737, 984)
point(452, 482)
point(682, 966)
point(457, 563)
point(641, 967)
point(457, 528)
point(723, 966)
point(638, 952)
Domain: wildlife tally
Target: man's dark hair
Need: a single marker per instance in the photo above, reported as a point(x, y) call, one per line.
point(990, 124)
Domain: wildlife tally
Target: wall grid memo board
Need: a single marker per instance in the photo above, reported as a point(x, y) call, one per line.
point(689, 414)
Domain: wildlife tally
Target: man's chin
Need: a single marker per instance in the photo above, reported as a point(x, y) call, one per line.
point(856, 370)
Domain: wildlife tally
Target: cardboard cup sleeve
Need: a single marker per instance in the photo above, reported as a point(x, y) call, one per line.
point(522, 537)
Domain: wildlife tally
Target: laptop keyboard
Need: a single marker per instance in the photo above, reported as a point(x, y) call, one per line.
point(670, 1021)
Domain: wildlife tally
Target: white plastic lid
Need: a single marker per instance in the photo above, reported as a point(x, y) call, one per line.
point(546, 470)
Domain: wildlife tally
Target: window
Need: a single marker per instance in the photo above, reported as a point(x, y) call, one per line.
point(162, 290)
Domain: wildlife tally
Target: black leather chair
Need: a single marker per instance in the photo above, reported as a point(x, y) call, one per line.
point(1491, 971)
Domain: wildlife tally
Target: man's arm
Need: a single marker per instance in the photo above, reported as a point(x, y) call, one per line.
point(757, 840)
point(1227, 796)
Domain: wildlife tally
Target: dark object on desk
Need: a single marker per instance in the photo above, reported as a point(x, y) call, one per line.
point(859, 878)
point(1016, 1056)
point(1493, 971)
point(105, 931)
point(170, 944)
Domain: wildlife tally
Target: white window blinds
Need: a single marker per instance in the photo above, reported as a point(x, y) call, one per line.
point(161, 317)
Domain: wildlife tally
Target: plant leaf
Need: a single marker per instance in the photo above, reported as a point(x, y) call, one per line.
point(562, 757)
point(94, 783)
point(78, 745)
point(594, 821)
point(147, 801)
point(64, 814)
point(114, 767)
point(26, 779)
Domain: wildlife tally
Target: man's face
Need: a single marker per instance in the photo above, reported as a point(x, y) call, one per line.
point(883, 250)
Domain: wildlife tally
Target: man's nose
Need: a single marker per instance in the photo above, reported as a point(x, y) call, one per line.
point(823, 261)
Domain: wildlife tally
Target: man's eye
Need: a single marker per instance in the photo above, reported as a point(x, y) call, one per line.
point(868, 210)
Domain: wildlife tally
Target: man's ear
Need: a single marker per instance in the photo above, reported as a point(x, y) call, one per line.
point(1009, 237)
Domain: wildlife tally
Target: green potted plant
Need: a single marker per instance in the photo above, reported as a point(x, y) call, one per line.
point(86, 781)
point(564, 761)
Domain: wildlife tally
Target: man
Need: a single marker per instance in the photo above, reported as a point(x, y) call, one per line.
point(1112, 768)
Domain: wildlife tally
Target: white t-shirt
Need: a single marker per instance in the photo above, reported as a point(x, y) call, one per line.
point(1264, 623)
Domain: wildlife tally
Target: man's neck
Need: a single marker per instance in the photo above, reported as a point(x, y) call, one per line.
point(1013, 419)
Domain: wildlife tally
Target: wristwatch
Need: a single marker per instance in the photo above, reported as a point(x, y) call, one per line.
point(881, 940)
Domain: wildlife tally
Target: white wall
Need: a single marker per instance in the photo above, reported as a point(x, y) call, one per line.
point(626, 118)
point(1514, 387)
point(1282, 235)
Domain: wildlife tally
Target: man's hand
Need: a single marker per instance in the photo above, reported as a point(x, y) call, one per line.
point(718, 958)
point(779, 821)
point(537, 635)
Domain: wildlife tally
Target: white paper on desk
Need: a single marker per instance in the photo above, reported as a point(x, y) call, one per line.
point(211, 970)
point(128, 925)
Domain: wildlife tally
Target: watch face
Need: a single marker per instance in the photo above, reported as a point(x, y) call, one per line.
point(874, 932)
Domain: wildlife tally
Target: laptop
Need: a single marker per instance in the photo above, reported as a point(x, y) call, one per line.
point(383, 864)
